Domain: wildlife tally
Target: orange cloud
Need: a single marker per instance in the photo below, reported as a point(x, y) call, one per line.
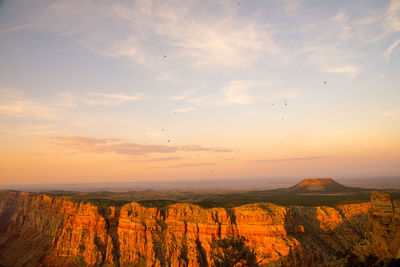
point(191, 165)
point(155, 159)
point(292, 159)
point(115, 145)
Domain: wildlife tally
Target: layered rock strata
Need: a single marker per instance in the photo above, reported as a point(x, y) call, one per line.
point(38, 230)
point(383, 236)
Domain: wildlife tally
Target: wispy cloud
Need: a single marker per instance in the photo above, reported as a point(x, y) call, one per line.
point(161, 159)
point(283, 95)
point(201, 33)
point(392, 21)
point(201, 100)
point(183, 95)
point(186, 109)
point(185, 30)
point(329, 47)
point(348, 70)
point(291, 159)
point(330, 58)
point(213, 34)
point(222, 150)
point(102, 145)
point(391, 113)
point(15, 103)
point(388, 52)
point(191, 165)
point(83, 144)
point(239, 92)
point(193, 147)
point(98, 98)
point(291, 5)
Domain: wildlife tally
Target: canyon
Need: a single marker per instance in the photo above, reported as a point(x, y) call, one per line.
point(43, 230)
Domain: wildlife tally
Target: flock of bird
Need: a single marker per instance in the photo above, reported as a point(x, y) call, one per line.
point(284, 103)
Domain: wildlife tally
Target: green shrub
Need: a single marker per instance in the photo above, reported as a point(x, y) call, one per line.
point(232, 251)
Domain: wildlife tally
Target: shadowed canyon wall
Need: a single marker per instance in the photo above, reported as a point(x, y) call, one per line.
point(38, 230)
point(383, 237)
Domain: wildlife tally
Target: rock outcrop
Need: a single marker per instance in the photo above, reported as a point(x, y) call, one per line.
point(326, 185)
point(383, 236)
point(39, 230)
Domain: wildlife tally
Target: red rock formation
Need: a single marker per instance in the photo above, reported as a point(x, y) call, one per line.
point(326, 185)
point(383, 237)
point(54, 231)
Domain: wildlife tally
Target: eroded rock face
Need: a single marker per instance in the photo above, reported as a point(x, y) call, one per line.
point(383, 237)
point(53, 231)
point(48, 231)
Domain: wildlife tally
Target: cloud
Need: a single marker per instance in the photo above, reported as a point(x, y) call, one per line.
point(102, 145)
point(330, 58)
point(291, 6)
point(239, 91)
point(98, 99)
point(390, 112)
point(15, 103)
point(388, 51)
point(343, 29)
point(193, 147)
point(200, 100)
point(392, 21)
point(186, 109)
point(155, 159)
point(284, 94)
point(291, 159)
point(83, 144)
point(212, 34)
point(222, 150)
point(183, 95)
point(330, 42)
point(195, 33)
point(348, 70)
point(192, 165)
point(14, 28)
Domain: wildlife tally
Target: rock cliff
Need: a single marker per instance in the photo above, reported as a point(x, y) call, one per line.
point(383, 236)
point(39, 230)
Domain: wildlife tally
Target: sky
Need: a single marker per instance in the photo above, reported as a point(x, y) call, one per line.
point(116, 91)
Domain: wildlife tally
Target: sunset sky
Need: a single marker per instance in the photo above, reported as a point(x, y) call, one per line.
point(108, 91)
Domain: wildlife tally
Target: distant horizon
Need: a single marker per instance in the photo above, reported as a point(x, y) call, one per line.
point(213, 184)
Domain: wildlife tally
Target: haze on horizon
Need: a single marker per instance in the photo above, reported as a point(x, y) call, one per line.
point(107, 91)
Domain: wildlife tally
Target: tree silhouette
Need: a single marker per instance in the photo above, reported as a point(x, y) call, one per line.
point(232, 251)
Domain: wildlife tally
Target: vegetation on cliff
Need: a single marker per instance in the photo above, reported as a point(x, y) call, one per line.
point(60, 230)
point(232, 251)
